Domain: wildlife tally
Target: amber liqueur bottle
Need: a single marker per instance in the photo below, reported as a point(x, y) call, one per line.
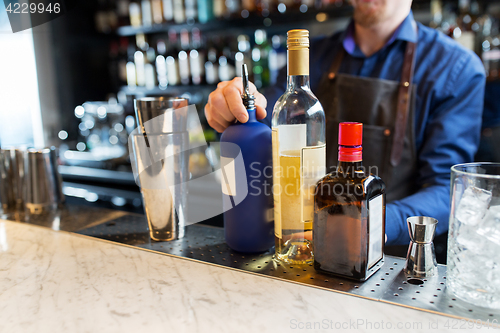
point(349, 213)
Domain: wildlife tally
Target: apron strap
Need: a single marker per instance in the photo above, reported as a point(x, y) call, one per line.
point(405, 88)
point(334, 68)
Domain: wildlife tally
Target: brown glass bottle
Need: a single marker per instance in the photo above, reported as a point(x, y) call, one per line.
point(349, 213)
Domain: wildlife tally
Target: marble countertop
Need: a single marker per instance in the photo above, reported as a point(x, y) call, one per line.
point(55, 281)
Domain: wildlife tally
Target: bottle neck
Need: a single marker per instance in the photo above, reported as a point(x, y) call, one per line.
point(345, 168)
point(251, 116)
point(298, 82)
point(344, 165)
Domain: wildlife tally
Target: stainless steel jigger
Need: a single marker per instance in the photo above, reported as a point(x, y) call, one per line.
point(421, 259)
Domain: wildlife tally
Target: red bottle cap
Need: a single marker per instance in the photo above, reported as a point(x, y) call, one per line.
point(350, 134)
point(350, 140)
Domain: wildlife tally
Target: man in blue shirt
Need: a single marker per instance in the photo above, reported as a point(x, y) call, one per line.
point(444, 110)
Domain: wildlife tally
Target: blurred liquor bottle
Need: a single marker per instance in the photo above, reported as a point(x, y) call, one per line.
point(183, 58)
point(179, 13)
point(106, 19)
point(197, 58)
point(244, 55)
point(219, 8)
point(135, 14)
point(277, 57)
point(122, 60)
point(466, 20)
point(491, 50)
point(212, 65)
point(233, 9)
point(168, 10)
point(147, 15)
point(436, 14)
point(161, 65)
point(171, 60)
point(248, 6)
point(265, 7)
point(157, 11)
point(260, 57)
point(122, 7)
point(191, 11)
point(140, 59)
point(205, 10)
point(149, 67)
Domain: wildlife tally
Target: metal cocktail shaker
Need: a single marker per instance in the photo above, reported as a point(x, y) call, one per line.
point(43, 191)
point(7, 185)
point(161, 153)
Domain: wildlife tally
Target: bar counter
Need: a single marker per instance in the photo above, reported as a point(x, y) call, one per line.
point(59, 281)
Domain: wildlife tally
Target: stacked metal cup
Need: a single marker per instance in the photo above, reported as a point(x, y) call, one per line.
point(30, 180)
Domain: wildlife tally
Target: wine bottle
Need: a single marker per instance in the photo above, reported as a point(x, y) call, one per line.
point(299, 155)
point(349, 213)
point(246, 155)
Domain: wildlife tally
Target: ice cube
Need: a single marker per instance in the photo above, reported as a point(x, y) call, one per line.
point(490, 225)
point(473, 205)
point(468, 238)
point(474, 270)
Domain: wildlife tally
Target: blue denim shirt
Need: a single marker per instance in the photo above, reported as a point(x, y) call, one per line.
point(449, 105)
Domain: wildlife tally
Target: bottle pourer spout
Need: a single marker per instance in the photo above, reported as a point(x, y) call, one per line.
point(247, 97)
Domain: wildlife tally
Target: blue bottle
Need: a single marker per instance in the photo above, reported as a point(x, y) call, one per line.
point(246, 159)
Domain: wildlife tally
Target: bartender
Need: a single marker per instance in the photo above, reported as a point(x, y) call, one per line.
point(418, 93)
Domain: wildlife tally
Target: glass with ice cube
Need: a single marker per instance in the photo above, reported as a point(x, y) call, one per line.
point(474, 234)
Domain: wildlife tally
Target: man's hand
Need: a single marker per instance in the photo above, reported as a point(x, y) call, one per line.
point(225, 105)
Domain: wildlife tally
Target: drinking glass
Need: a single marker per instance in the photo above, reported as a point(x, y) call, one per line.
point(474, 234)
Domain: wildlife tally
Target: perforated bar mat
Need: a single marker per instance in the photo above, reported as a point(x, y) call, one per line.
point(389, 284)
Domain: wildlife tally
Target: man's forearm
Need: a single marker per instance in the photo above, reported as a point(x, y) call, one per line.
point(433, 201)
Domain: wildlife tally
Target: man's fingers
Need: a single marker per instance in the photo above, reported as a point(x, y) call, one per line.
point(233, 99)
point(261, 104)
point(225, 104)
point(260, 112)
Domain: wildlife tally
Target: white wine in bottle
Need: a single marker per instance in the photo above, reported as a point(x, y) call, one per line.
point(299, 155)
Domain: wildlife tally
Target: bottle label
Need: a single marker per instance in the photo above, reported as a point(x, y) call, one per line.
point(376, 237)
point(312, 168)
point(228, 180)
point(276, 182)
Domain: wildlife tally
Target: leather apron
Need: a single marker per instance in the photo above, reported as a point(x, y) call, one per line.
point(387, 110)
